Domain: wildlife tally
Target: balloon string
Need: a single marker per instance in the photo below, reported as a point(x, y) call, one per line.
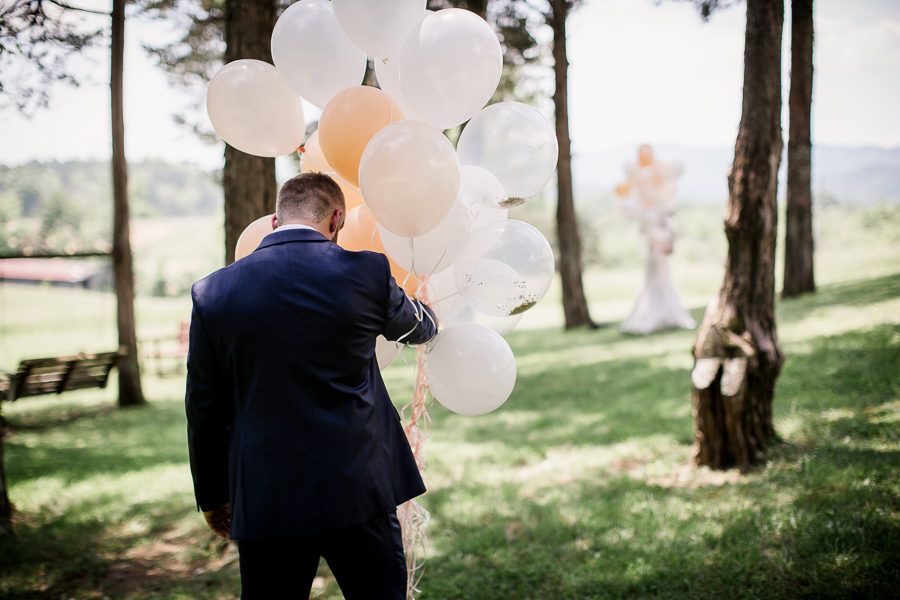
point(412, 268)
point(421, 314)
point(448, 296)
point(372, 244)
point(412, 515)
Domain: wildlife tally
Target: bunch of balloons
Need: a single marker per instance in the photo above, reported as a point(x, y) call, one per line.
point(437, 211)
point(649, 186)
point(648, 196)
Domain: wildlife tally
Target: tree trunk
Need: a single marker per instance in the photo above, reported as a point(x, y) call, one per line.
point(130, 392)
point(479, 7)
point(737, 356)
point(798, 248)
point(6, 507)
point(575, 307)
point(248, 181)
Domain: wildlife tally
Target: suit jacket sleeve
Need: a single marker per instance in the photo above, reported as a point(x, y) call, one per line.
point(408, 320)
point(208, 408)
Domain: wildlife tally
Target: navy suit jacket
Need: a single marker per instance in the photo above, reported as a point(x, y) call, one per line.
point(288, 416)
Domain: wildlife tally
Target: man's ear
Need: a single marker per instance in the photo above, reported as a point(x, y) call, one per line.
point(274, 222)
point(336, 220)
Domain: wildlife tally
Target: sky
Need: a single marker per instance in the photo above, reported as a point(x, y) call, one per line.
point(641, 71)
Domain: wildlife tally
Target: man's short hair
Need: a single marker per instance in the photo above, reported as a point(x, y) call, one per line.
point(308, 197)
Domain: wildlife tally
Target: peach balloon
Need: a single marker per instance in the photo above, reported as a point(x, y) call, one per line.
point(352, 197)
point(623, 189)
point(360, 232)
point(645, 155)
point(252, 236)
point(312, 160)
point(409, 177)
point(349, 121)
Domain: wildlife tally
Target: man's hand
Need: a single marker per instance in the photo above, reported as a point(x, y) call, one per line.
point(219, 520)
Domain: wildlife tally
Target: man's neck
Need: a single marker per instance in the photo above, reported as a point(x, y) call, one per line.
point(296, 226)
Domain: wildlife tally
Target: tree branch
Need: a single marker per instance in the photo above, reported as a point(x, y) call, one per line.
point(65, 6)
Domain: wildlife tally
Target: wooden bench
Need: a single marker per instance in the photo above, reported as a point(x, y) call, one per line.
point(167, 353)
point(56, 375)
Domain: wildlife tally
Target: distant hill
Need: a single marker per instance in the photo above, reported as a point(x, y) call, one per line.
point(846, 175)
point(156, 188)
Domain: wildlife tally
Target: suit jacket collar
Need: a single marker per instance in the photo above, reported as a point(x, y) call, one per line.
point(291, 235)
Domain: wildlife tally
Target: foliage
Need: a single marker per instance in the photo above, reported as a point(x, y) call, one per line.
point(193, 59)
point(56, 205)
point(707, 7)
point(196, 57)
point(37, 38)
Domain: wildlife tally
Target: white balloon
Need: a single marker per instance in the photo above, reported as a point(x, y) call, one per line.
point(480, 187)
point(435, 250)
point(516, 144)
point(501, 325)
point(505, 269)
point(450, 67)
point(409, 177)
point(386, 352)
point(252, 108)
point(388, 76)
point(443, 297)
point(481, 192)
point(314, 54)
point(380, 27)
point(470, 369)
point(387, 72)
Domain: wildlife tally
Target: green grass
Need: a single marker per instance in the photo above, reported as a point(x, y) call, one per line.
point(579, 487)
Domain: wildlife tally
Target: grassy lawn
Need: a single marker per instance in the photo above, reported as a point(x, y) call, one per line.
point(579, 487)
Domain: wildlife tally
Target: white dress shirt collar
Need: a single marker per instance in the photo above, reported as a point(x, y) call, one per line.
point(293, 226)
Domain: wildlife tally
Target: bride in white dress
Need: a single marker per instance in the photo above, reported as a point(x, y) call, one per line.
point(648, 196)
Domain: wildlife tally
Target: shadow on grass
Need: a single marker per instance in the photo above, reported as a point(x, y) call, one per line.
point(624, 538)
point(103, 442)
point(56, 417)
point(592, 404)
point(81, 554)
point(105, 542)
point(818, 522)
point(846, 385)
point(49, 559)
point(850, 293)
point(549, 339)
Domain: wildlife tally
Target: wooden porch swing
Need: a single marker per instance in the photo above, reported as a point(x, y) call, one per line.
point(58, 374)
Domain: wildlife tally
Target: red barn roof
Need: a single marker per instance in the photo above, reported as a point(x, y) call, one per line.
point(61, 270)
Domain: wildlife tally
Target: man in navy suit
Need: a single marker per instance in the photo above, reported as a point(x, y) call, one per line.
point(296, 450)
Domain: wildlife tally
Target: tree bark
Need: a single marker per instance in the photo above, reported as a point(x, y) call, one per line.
point(248, 181)
point(798, 248)
point(6, 507)
point(737, 355)
point(130, 392)
point(479, 7)
point(575, 308)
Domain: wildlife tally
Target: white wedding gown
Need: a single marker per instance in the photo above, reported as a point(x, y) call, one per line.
point(658, 306)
